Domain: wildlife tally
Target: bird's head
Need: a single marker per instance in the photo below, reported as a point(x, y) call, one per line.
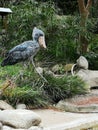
point(39, 36)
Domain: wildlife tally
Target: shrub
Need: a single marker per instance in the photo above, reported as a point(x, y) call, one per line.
point(92, 58)
point(64, 87)
point(27, 87)
point(29, 96)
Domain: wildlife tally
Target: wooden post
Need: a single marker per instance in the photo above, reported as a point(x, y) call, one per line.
point(4, 14)
point(5, 25)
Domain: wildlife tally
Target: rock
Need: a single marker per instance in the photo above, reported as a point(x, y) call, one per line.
point(89, 76)
point(19, 118)
point(88, 108)
point(35, 128)
point(40, 70)
point(56, 68)
point(49, 72)
point(20, 106)
point(4, 105)
point(31, 128)
point(65, 106)
point(7, 128)
point(69, 107)
point(0, 126)
point(10, 128)
point(82, 62)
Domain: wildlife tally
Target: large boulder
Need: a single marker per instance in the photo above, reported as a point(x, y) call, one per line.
point(89, 76)
point(4, 105)
point(19, 118)
point(71, 107)
point(82, 62)
point(20, 106)
point(66, 106)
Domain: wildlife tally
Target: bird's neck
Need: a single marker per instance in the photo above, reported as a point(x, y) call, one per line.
point(36, 42)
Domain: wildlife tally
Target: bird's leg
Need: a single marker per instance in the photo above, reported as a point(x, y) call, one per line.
point(26, 64)
point(31, 59)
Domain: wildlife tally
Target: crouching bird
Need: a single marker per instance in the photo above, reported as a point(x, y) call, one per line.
point(26, 50)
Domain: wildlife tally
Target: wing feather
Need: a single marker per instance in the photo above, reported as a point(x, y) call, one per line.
point(18, 48)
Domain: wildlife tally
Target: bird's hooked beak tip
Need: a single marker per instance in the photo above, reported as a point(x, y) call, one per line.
point(42, 42)
point(46, 49)
point(44, 46)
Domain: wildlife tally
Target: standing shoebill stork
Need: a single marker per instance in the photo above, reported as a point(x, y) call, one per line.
point(26, 50)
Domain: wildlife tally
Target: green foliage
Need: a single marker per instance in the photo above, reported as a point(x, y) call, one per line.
point(29, 96)
point(24, 17)
point(61, 39)
point(27, 87)
point(64, 7)
point(62, 32)
point(21, 23)
point(64, 87)
point(9, 72)
point(92, 58)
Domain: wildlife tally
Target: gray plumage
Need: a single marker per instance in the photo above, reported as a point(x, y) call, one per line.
point(25, 50)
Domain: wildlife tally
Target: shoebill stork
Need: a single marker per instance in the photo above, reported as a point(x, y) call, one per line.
point(26, 50)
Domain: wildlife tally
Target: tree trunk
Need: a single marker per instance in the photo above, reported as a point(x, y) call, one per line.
point(84, 12)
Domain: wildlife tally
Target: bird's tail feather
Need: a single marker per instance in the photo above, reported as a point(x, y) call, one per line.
point(8, 61)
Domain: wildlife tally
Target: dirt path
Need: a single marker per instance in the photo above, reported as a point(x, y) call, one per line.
point(52, 118)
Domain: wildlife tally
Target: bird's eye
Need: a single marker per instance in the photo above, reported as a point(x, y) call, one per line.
point(41, 35)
